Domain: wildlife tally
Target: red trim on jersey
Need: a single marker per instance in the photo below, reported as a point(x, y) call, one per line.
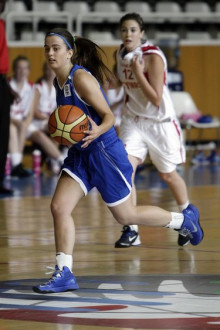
point(147, 48)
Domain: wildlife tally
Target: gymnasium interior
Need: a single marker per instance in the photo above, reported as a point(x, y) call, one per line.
point(157, 285)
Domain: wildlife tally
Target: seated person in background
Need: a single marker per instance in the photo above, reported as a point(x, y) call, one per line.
point(20, 114)
point(43, 104)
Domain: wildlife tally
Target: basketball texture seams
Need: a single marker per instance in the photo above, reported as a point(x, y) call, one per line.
point(67, 124)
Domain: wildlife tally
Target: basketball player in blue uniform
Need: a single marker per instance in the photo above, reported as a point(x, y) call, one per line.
point(100, 160)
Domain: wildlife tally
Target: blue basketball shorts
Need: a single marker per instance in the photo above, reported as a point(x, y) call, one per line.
point(103, 165)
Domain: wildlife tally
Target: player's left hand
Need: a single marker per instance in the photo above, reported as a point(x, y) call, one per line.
point(91, 134)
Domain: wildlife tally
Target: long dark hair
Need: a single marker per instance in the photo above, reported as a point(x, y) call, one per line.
point(86, 54)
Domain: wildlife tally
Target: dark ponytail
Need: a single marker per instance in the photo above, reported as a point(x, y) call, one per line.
point(86, 53)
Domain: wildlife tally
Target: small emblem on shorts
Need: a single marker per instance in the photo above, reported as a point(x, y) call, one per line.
point(67, 91)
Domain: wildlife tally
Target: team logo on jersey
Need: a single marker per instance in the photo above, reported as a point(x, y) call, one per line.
point(67, 91)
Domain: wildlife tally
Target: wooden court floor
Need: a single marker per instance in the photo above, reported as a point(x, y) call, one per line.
point(155, 286)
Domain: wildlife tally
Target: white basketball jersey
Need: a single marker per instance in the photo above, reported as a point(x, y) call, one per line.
point(47, 101)
point(20, 110)
point(136, 101)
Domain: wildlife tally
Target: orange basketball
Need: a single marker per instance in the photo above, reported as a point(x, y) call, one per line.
point(67, 124)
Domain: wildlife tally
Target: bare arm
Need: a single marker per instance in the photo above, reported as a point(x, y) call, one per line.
point(30, 115)
point(88, 89)
point(153, 86)
point(35, 105)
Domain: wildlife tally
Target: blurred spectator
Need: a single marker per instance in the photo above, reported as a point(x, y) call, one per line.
point(21, 115)
point(44, 103)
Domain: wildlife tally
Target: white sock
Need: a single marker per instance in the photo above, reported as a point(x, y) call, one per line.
point(16, 158)
point(184, 206)
point(176, 221)
point(134, 227)
point(63, 259)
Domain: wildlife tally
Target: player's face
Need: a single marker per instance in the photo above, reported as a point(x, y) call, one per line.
point(131, 34)
point(22, 70)
point(56, 53)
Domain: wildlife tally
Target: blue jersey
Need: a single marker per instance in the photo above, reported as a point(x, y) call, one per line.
point(67, 95)
point(104, 163)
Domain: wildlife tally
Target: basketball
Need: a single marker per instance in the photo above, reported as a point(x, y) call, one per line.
point(67, 125)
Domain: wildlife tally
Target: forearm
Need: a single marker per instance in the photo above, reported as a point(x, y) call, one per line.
point(148, 90)
point(108, 120)
point(29, 118)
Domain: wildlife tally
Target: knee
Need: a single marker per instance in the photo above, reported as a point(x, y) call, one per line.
point(167, 177)
point(57, 209)
point(123, 221)
point(36, 135)
point(125, 218)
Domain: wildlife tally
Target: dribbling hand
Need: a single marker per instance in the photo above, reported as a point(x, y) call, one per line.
point(91, 134)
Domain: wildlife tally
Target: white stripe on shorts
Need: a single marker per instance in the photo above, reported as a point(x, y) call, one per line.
point(75, 177)
point(119, 201)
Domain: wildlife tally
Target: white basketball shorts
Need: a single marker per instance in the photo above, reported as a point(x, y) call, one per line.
point(163, 141)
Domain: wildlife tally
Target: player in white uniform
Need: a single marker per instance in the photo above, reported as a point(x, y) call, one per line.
point(149, 124)
point(44, 103)
point(20, 114)
point(45, 99)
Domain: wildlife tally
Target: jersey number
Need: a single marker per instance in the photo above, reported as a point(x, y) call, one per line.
point(128, 74)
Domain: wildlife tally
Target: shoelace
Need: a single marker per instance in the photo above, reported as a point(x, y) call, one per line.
point(52, 270)
point(56, 273)
point(185, 232)
point(126, 232)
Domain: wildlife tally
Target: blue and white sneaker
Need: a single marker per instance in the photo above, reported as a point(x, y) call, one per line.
point(61, 281)
point(191, 226)
point(183, 240)
point(128, 238)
